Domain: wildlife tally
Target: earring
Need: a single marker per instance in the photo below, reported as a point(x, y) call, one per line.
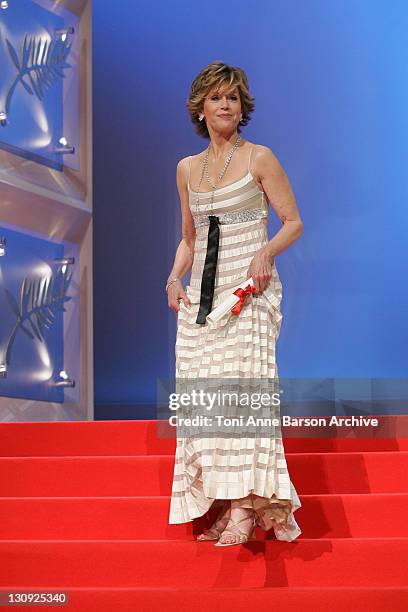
point(201, 117)
point(240, 117)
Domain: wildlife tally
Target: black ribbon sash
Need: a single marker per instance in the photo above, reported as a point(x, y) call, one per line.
point(210, 267)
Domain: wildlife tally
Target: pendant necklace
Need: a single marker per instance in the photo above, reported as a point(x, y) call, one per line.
point(220, 176)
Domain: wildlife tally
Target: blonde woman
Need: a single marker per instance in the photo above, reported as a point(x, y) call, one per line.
point(224, 194)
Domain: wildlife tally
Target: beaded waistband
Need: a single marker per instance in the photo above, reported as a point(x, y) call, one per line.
point(239, 216)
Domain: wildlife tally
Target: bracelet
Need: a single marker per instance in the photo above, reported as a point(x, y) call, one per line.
point(173, 280)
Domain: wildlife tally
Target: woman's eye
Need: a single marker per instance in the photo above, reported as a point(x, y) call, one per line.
point(232, 97)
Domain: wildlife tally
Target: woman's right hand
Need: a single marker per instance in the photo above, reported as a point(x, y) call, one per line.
point(176, 293)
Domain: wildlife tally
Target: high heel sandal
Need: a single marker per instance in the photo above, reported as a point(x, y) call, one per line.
point(215, 531)
point(243, 537)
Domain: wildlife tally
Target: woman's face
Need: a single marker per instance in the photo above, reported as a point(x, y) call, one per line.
point(222, 109)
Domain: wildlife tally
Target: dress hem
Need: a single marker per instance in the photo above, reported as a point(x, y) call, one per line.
point(287, 530)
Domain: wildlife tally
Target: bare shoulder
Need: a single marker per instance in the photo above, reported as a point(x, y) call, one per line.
point(186, 165)
point(183, 163)
point(265, 161)
point(186, 160)
point(182, 171)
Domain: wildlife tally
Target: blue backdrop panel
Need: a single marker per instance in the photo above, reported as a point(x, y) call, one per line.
point(331, 97)
point(34, 123)
point(34, 365)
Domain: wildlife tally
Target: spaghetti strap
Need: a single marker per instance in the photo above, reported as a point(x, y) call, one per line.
point(249, 158)
point(189, 172)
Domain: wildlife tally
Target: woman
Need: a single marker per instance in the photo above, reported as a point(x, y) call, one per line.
point(224, 193)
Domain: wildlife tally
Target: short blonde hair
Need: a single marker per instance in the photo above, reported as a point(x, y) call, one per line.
point(215, 75)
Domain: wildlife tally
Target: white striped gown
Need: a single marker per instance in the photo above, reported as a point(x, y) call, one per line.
point(252, 469)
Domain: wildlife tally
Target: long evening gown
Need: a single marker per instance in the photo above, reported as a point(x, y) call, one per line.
point(252, 468)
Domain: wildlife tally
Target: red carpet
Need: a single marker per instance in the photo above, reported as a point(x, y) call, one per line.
point(84, 509)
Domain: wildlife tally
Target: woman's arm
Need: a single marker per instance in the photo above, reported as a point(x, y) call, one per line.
point(279, 193)
point(185, 250)
point(182, 262)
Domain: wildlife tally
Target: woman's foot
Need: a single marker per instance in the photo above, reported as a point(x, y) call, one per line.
point(214, 532)
point(239, 528)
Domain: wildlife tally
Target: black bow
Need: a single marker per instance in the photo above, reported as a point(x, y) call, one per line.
point(210, 267)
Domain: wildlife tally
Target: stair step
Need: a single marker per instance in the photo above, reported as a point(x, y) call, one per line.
point(70, 518)
point(148, 437)
point(218, 599)
point(318, 473)
point(89, 563)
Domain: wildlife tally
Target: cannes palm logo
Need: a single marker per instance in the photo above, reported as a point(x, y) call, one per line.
point(36, 311)
point(39, 65)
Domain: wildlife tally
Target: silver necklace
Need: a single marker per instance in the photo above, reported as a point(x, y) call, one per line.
point(205, 171)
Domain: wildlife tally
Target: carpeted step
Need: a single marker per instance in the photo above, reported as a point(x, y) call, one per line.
point(317, 473)
point(151, 563)
point(26, 439)
point(321, 516)
point(218, 599)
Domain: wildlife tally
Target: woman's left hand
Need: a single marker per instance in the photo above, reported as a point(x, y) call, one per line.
point(261, 269)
